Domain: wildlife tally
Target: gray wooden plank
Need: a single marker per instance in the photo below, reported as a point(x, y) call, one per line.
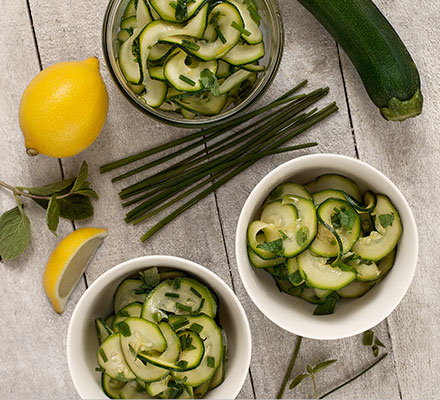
point(310, 53)
point(408, 154)
point(196, 235)
point(33, 337)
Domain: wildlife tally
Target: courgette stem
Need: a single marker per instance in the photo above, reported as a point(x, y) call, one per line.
point(385, 66)
point(319, 116)
point(228, 124)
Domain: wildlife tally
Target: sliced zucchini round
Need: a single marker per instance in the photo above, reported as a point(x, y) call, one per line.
point(205, 104)
point(129, 23)
point(155, 94)
point(167, 12)
point(320, 275)
point(219, 375)
point(323, 195)
point(285, 189)
point(309, 295)
point(355, 289)
point(128, 62)
point(124, 34)
point(387, 263)
point(130, 310)
point(223, 70)
point(243, 53)
point(340, 216)
point(253, 34)
point(111, 387)
point(112, 361)
point(304, 231)
point(130, 10)
point(160, 51)
point(143, 16)
point(384, 239)
point(132, 390)
point(185, 298)
point(235, 80)
point(335, 182)
point(157, 72)
point(212, 338)
point(365, 270)
point(255, 239)
point(259, 262)
point(158, 387)
point(293, 274)
point(127, 293)
point(281, 216)
point(184, 72)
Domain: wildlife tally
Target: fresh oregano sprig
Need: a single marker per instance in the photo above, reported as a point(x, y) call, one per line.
point(311, 373)
point(69, 198)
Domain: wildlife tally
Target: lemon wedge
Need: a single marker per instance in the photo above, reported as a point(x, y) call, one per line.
point(68, 262)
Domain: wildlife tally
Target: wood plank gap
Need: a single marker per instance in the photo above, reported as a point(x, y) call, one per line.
point(229, 264)
point(394, 359)
point(33, 34)
point(347, 101)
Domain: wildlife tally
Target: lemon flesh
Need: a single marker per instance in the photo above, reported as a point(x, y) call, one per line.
point(64, 108)
point(68, 262)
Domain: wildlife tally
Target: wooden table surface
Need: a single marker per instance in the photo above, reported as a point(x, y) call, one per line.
point(37, 33)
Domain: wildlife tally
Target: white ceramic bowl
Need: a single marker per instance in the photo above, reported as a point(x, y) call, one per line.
point(351, 316)
point(97, 301)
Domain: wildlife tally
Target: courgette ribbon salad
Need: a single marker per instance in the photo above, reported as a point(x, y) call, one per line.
point(324, 241)
point(163, 339)
point(190, 56)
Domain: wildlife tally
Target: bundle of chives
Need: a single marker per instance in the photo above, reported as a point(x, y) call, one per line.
point(217, 162)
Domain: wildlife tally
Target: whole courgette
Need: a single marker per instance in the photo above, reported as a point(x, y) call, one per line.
point(376, 50)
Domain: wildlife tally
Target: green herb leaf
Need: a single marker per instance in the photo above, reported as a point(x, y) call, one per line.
point(377, 342)
point(123, 328)
point(346, 268)
point(328, 306)
point(209, 81)
point(309, 369)
point(150, 278)
point(88, 192)
point(182, 364)
point(276, 246)
point(53, 214)
point(343, 217)
point(182, 9)
point(302, 236)
point(375, 350)
point(368, 338)
point(102, 354)
point(276, 193)
point(386, 219)
point(210, 361)
point(196, 328)
point(15, 233)
point(124, 313)
point(296, 278)
point(49, 190)
point(322, 365)
point(283, 234)
point(298, 380)
point(81, 179)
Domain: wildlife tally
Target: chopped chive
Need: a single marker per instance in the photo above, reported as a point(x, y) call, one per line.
point(187, 80)
point(180, 323)
point(196, 292)
point(182, 364)
point(190, 45)
point(169, 294)
point(368, 338)
point(139, 291)
point(177, 283)
point(102, 354)
point(211, 362)
point(196, 328)
point(214, 18)
point(183, 307)
point(240, 29)
point(99, 369)
point(123, 328)
point(220, 34)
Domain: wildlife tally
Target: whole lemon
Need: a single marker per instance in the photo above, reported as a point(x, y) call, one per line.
point(64, 108)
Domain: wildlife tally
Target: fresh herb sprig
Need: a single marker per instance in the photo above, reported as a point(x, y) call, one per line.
point(207, 169)
point(69, 199)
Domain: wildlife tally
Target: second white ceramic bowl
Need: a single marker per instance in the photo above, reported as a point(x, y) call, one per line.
point(97, 301)
point(351, 316)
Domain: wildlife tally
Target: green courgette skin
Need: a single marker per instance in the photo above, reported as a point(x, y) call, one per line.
point(379, 55)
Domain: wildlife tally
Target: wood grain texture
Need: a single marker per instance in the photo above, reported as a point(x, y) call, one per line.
point(408, 153)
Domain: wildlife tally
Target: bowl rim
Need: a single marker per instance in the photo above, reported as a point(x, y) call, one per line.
point(126, 268)
point(206, 121)
point(287, 170)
